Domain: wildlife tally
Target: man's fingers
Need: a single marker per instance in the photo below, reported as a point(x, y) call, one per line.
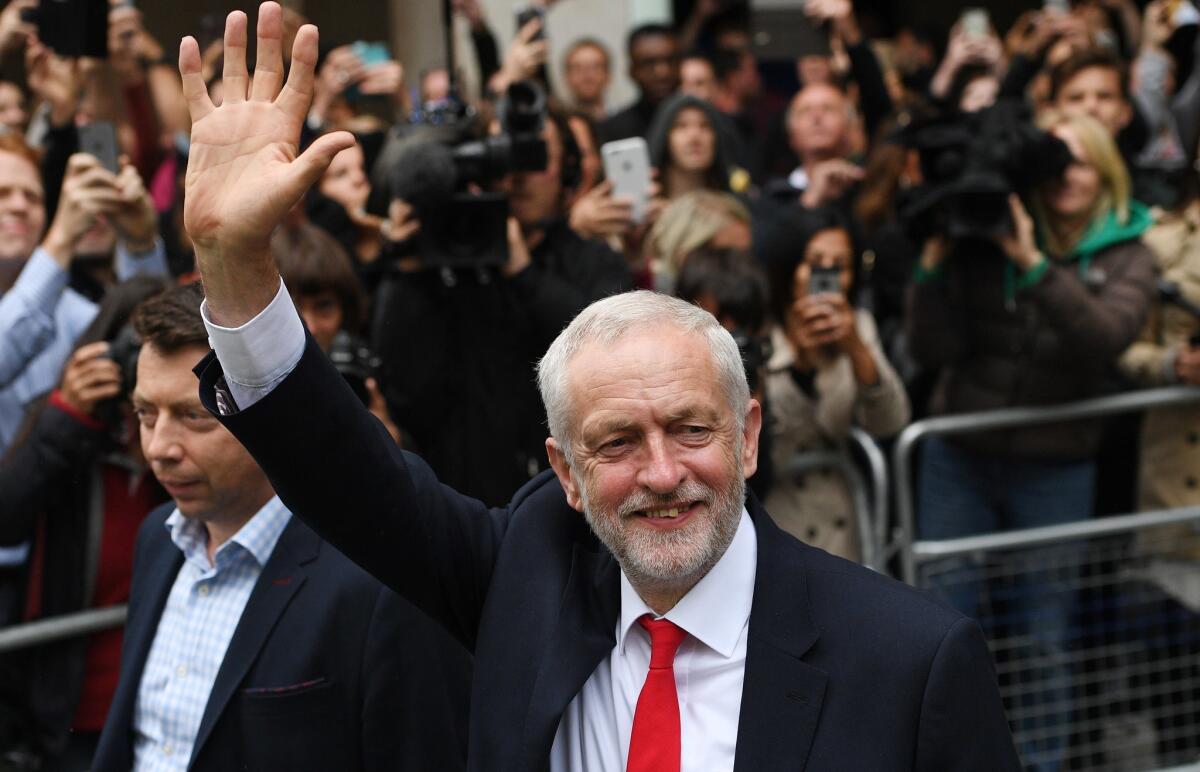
point(89, 351)
point(298, 91)
point(313, 162)
point(268, 67)
point(99, 392)
point(530, 29)
point(79, 163)
point(94, 176)
point(96, 369)
point(234, 78)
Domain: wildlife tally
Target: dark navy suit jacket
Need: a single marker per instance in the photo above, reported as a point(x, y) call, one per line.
point(845, 669)
point(326, 670)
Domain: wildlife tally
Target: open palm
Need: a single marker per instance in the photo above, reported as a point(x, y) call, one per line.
point(243, 172)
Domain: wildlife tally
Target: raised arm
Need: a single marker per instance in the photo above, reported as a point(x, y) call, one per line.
point(326, 456)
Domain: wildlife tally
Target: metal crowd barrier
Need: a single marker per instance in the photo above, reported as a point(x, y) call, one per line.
point(57, 628)
point(1094, 626)
point(869, 494)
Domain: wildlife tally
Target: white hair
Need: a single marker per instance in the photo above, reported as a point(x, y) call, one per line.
point(607, 320)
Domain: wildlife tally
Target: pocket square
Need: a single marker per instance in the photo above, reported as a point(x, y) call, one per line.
point(272, 691)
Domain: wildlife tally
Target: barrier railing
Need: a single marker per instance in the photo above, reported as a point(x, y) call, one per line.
point(1094, 626)
point(902, 453)
point(60, 627)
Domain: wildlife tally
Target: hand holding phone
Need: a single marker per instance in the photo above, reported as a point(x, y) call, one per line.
point(99, 139)
point(627, 165)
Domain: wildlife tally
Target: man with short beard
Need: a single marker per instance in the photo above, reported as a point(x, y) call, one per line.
point(682, 630)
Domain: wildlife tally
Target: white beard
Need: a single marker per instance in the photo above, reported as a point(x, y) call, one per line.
point(670, 557)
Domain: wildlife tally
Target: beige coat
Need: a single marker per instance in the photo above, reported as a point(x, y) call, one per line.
point(817, 508)
point(1169, 474)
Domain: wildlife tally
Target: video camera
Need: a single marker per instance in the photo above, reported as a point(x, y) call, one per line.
point(443, 170)
point(970, 164)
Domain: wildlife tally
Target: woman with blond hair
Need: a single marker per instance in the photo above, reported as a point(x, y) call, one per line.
point(1036, 317)
point(695, 220)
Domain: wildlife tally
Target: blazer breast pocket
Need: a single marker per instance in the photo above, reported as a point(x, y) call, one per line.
point(300, 726)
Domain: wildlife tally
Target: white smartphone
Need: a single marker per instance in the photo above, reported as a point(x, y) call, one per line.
point(975, 23)
point(627, 164)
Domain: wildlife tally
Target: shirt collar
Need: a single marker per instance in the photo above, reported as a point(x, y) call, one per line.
point(716, 610)
point(257, 536)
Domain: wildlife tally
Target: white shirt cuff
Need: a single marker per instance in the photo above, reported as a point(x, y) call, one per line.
point(258, 355)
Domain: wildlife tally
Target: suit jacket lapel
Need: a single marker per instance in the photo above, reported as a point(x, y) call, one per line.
point(584, 634)
point(280, 580)
point(781, 694)
point(158, 576)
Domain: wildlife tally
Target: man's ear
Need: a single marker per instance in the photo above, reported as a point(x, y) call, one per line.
point(558, 461)
point(750, 439)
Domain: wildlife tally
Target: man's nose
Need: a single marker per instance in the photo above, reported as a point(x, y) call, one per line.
point(661, 471)
point(162, 444)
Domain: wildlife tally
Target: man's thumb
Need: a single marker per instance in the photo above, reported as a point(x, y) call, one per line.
point(313, 162)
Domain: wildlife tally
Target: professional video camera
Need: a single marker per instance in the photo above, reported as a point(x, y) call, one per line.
point(970, 163)
point(443, 169)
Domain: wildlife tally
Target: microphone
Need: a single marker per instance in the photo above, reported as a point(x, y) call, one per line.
point(424, 175)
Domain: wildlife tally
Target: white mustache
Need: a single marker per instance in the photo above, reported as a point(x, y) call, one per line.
point(643, 499)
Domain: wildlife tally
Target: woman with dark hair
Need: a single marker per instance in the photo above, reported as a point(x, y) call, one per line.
point(826, 374)
point(689, 145)
point(75, 483)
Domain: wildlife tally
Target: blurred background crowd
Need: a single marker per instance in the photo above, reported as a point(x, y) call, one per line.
point(896, 217)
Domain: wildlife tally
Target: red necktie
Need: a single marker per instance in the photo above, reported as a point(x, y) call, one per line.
point(654, 743)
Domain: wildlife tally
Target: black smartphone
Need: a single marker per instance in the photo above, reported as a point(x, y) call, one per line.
point(526, 13)
point(99, 138)
point(825, 281)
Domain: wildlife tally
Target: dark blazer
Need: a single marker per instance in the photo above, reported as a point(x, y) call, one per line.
point(326, 670)
point(845, 669)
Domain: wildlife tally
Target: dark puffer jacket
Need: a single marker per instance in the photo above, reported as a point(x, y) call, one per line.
point(1006, 340)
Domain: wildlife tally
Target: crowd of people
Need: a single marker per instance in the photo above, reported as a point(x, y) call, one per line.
point(906, 222)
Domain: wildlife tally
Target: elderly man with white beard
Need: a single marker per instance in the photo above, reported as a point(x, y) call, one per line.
point(633, 609)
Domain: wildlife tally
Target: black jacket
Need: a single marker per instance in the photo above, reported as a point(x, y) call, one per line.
point(633, 121)
point(458, 360)
point(50, 479)
point(326, 669)
point(845, 669)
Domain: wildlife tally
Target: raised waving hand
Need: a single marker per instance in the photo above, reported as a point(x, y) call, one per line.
point(244, 169)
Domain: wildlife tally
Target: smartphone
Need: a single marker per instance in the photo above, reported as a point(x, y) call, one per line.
point(627, 164)
point(1057, 6)
point(370, 53)
point(526, 13)
point(787, 33)
point(99, 138)
point(825, 281)
point(975, 23)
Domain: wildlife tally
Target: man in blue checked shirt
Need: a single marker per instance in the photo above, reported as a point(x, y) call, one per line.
point(40, 316)
point(251, 644)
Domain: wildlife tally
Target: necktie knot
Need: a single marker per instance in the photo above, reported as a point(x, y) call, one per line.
point(665, 637)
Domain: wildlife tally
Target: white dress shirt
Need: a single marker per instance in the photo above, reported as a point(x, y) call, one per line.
point(710, 666)
point(593, 735)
